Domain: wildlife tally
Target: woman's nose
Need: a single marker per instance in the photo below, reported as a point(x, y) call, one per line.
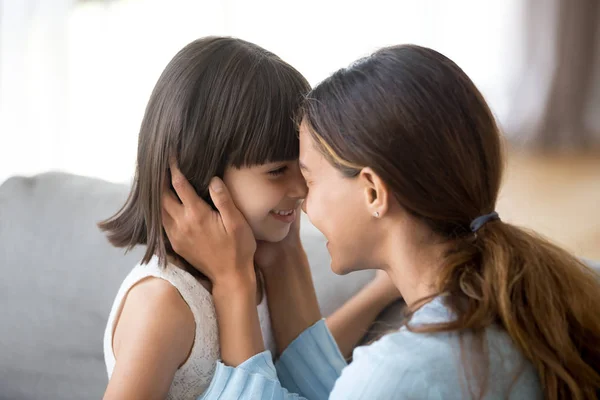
point(298, 188)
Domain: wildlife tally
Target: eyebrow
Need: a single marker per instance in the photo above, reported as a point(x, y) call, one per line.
point(303, 167)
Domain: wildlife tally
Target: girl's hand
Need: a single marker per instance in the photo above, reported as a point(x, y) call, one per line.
point(352, 321)
point(273, 255)
point(383, 287)
point(293, 304)
point(219, 244)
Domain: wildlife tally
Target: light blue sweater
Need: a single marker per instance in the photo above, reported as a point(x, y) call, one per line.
point(401, 365)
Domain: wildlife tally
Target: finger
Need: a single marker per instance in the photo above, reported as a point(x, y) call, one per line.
point(221, 198)
point(182, 186)
point(170, 203)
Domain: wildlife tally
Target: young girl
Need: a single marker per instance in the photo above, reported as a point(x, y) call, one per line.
point(221, 107)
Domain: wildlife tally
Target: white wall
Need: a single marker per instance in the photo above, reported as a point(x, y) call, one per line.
point(73, 85)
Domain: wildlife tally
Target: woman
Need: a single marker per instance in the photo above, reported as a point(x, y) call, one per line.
point(403, 162)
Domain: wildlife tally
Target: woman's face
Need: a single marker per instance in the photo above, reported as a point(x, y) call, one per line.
point(268, 196)
point(337, 207)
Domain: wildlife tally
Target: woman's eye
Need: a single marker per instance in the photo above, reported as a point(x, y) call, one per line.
point(278, 171)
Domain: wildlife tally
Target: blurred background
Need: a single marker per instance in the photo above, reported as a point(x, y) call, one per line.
point(75, 76)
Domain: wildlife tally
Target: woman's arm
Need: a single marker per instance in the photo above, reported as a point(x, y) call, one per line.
point(153, 337)
point(240, 336)
point(293, 304)
point(352, 320)
point(307, 369)
point(221, 245)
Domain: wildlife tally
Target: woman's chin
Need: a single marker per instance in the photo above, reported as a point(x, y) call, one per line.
point(337, 267)
point(341, 266)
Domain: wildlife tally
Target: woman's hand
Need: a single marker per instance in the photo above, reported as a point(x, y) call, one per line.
point(219, 244)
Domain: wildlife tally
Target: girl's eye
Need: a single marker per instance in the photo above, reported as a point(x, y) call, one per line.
point(278, 171)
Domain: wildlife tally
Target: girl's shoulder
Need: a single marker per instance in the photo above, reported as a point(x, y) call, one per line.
point(154, 305)
point(172, 281)
point(152, 297)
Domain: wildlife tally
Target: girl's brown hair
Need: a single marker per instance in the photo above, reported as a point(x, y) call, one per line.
point(220, 102)
point(419, 122)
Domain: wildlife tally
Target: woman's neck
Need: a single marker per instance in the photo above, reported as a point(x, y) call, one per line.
point(415, 268)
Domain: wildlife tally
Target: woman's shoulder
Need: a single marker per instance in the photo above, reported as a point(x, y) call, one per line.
point(427, 346)
point(405, 349)
point(433, 363)
point(408, 343)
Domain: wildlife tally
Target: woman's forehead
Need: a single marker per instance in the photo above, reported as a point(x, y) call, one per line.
point(307, 149)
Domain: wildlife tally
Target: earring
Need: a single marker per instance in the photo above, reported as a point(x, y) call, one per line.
point(376, 214)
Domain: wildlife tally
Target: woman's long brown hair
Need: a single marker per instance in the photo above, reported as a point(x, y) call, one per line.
point(419, 122)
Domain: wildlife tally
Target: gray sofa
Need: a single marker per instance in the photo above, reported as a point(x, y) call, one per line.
point(59, 276)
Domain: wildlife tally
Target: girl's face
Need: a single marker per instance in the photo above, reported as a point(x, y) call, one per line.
point(268, 196)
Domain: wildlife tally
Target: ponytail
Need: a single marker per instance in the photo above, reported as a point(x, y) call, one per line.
point(542, 296)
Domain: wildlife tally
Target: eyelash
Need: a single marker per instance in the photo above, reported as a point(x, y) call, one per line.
point(278, 171)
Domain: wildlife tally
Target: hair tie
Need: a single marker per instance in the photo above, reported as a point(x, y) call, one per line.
point(482, 220)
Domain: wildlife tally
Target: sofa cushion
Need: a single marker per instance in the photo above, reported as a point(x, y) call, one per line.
point(60, 276)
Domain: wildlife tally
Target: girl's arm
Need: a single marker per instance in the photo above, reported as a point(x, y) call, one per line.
point(153, 337)
point(293, 302)
point(293, 305)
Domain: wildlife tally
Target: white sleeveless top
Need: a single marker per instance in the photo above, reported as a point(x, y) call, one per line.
point(194, 376)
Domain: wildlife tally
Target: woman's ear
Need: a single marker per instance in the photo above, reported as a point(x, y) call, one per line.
point(377, 194)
